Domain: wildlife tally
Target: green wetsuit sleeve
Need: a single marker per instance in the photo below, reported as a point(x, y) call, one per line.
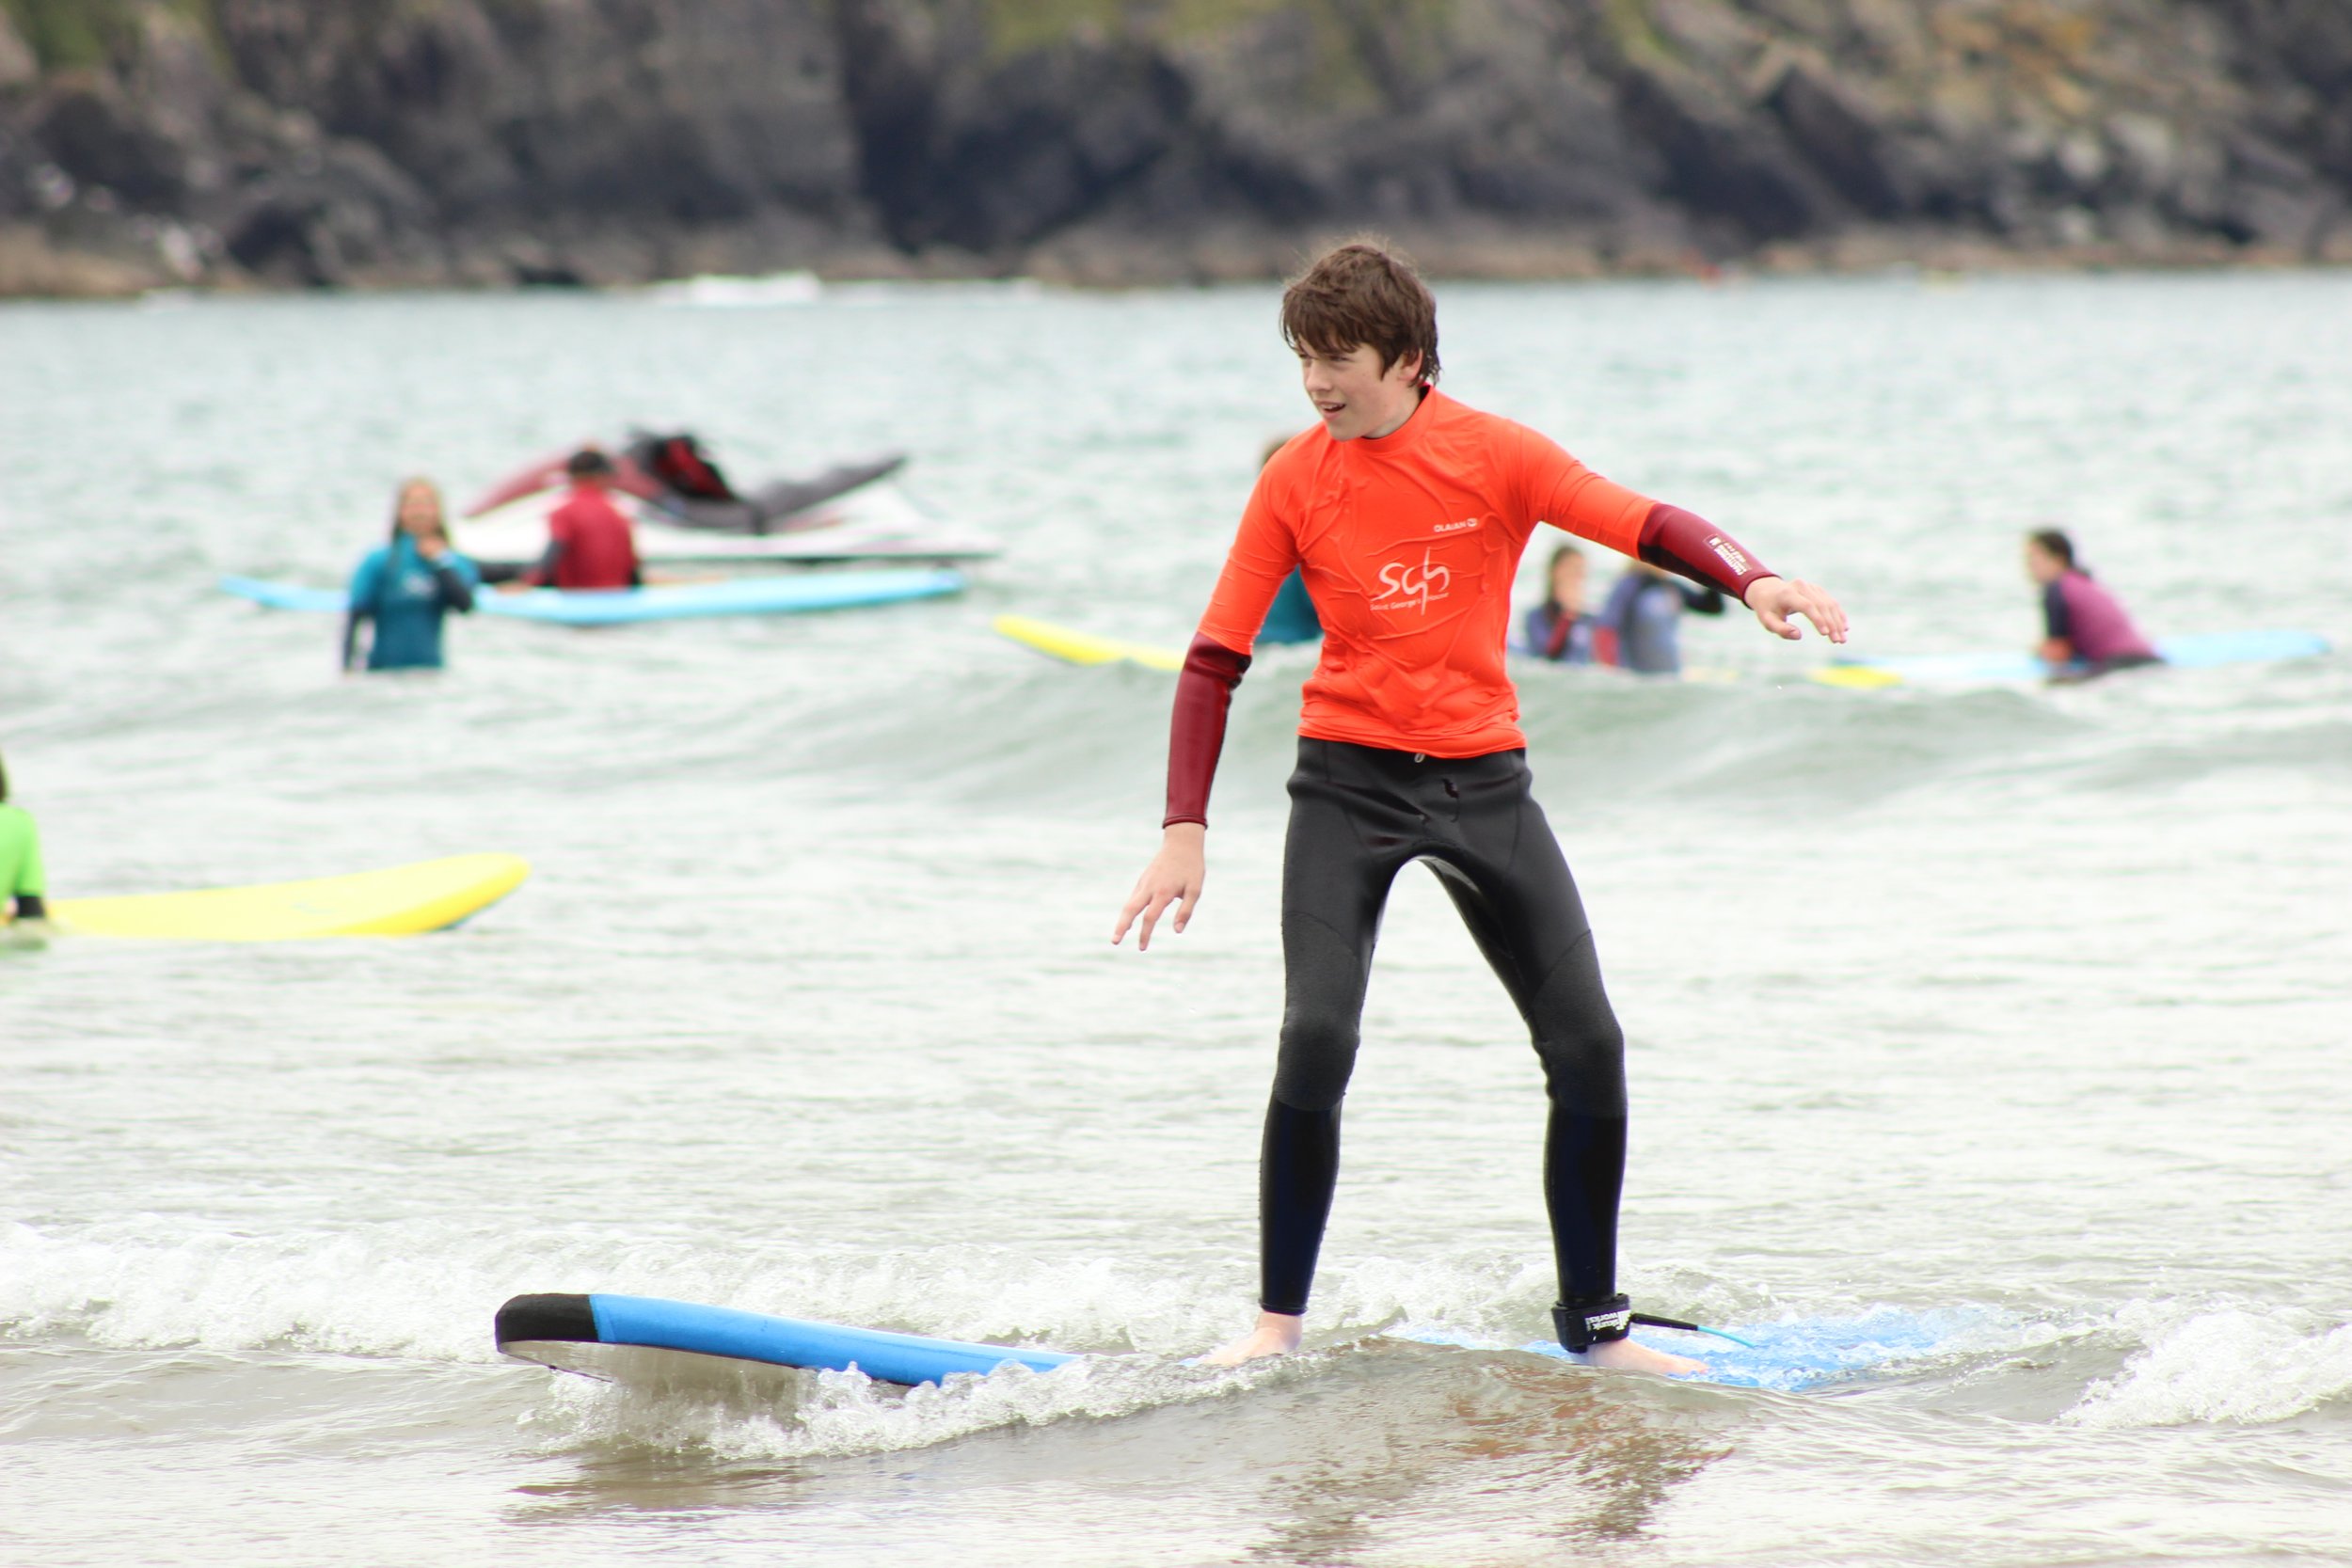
point(20, 847)
point(31, 880)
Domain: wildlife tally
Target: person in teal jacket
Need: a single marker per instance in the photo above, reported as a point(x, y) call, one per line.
point(405, 586)
point(22, 884)
point(1292, 617)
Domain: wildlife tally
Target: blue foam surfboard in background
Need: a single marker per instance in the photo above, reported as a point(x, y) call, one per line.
point(780, 594)
point(2194, 651)
point(287, 595)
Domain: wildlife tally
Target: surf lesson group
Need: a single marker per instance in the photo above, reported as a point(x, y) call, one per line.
point(1401, 515)
point(404, 588)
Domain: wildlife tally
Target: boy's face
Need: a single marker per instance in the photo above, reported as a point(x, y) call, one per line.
point(1355, 396)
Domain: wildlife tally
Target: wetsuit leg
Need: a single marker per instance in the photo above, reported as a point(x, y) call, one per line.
point(1505, 874)
point(1350, 833)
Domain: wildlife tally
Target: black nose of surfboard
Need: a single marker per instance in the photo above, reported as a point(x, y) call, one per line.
point(559, 1318)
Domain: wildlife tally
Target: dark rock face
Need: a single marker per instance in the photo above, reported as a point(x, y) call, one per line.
point(690, 113)
point(324, 142)
point(92, 132)
point(1850, 154)
point(990, 159)
point(1722, 164)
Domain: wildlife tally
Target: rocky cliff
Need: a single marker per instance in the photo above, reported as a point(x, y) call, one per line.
point(323, 142)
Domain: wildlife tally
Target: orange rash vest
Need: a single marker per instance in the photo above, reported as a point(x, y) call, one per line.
point(1409, 543)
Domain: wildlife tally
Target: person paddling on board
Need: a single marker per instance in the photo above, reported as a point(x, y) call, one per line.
point(1409, 512)
point(591, 545)
point(22, 886)
point(407, 584)
point(1558, 629)
point(2082, 621)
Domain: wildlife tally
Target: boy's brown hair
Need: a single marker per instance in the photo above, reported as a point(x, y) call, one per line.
point(1363, 293)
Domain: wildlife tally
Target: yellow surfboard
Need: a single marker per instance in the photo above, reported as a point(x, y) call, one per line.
point(1854, 677)
point(1078, 647)
point(398, 901)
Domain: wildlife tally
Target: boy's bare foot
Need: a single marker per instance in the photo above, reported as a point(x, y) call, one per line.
point(1277, 1334)
point(1624, 1356)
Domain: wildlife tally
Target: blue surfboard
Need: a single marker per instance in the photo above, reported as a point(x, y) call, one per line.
point(607, 1336)
point(646, 1340)
point(784, 593)
point(287, 595)
point(1790, 1355)
point(2195, 651)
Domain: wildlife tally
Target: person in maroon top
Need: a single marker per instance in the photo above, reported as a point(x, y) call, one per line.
point(590, 544)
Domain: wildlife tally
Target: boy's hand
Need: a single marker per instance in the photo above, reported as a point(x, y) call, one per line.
point(1174, 877)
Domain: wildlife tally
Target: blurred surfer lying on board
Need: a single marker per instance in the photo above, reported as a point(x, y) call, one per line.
point(1409, 513)
point(406, 585)
point(2082, 623)
point(1638, 626)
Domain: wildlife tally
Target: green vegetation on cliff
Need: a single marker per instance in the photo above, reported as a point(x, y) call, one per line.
point(89, 35)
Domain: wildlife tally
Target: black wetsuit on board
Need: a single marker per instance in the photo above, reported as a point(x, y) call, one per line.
point(1359, 816)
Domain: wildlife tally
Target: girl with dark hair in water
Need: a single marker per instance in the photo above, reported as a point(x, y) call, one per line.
point(1558, 628)
point(2082, 621)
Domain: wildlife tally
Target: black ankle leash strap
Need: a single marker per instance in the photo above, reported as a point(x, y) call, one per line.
point(1598, 1322)
point(1593, 1323)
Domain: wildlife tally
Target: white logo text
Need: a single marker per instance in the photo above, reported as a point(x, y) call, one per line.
point(1409, 585)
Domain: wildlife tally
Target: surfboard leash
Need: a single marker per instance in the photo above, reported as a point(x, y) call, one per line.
point(1580, 1329)
point(1652, 1320)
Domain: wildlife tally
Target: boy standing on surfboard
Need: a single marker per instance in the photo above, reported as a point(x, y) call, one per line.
point(1407, 513)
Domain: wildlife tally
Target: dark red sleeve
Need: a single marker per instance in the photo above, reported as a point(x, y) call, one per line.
point(1195, 732)
point(1687, 543)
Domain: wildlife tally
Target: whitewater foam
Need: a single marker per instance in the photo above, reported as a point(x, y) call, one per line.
point(429, 1290)
point(2226, 1365)
point(841, 1413)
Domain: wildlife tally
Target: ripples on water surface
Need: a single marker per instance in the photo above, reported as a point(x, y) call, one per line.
point(2020, 1014)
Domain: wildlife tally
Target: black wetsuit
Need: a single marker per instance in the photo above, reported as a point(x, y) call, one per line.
point(1359, 816)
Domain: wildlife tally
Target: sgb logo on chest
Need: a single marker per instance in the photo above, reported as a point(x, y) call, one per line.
point(1412, 585)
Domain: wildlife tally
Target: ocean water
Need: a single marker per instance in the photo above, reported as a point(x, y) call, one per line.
point(2010, 1024)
